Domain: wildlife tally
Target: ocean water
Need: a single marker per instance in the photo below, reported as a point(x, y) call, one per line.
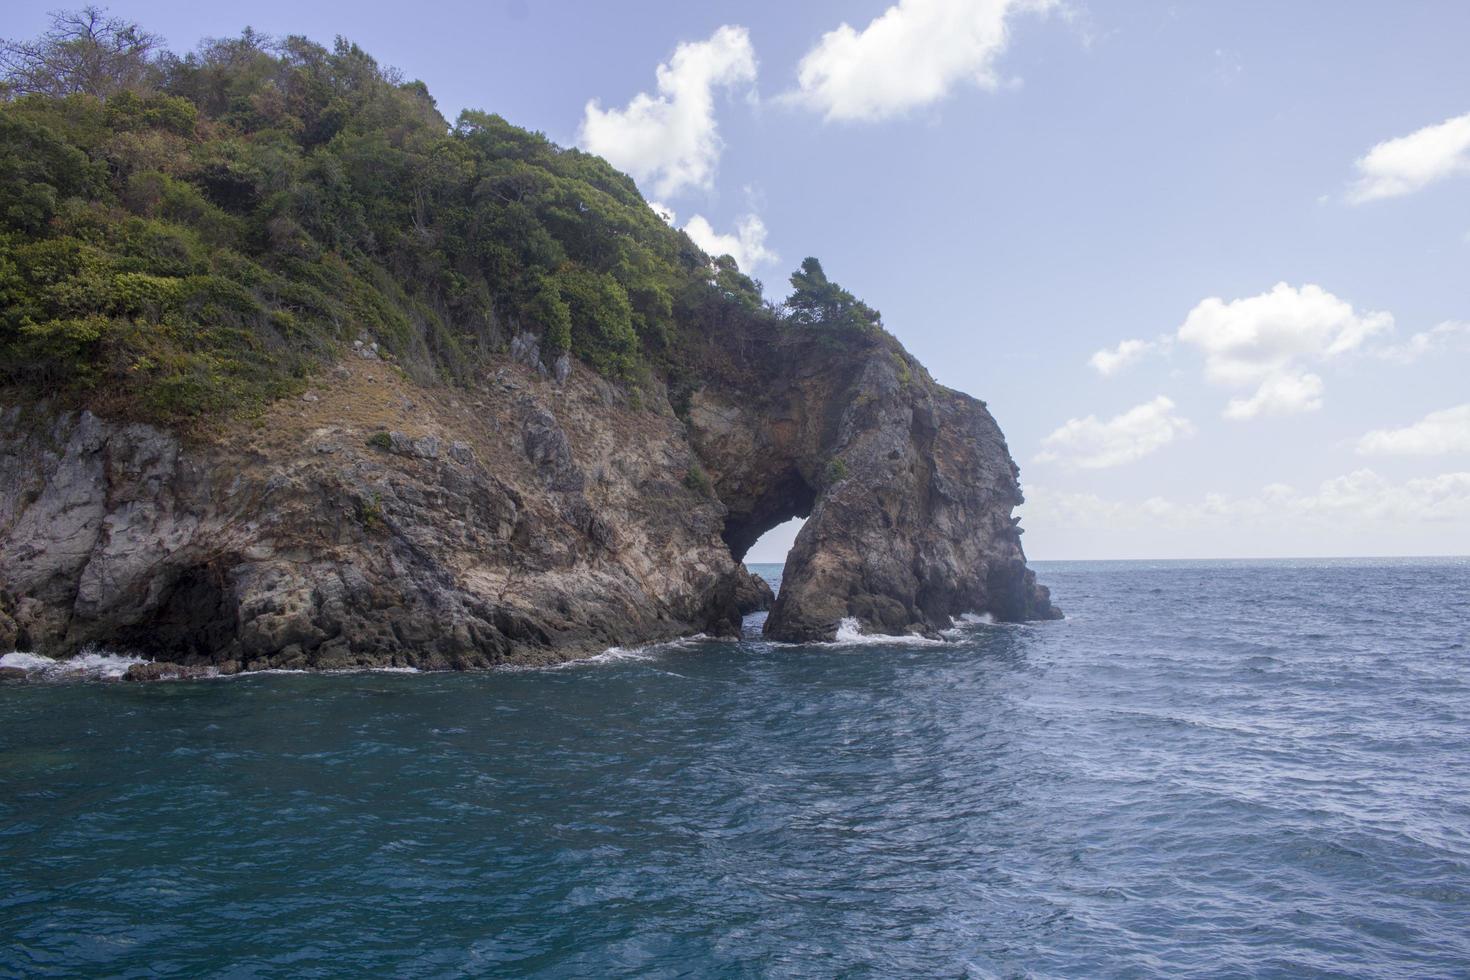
point(1208, 769)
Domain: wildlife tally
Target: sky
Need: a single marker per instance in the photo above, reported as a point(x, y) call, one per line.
point(1207, 263)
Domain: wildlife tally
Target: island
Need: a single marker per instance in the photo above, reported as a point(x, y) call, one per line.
point(295, 373)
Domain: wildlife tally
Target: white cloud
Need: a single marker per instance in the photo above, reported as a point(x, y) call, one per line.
point(1410, 163)
point(1444, 336)
point(1110, 362)
point(1436, 434)
point(671, 139)
point(1280, 394)
point(1091, 444)
point(1361, 496)
point(911, 55)
point(665, 213)
point(1261, 341)
point(747, 245)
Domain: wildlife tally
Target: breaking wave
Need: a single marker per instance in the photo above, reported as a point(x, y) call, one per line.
point(102, 665)
point(90, 664)
point(850, 633)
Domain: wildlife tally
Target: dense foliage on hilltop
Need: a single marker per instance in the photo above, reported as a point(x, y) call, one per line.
point(816, 300)
point(195, 234)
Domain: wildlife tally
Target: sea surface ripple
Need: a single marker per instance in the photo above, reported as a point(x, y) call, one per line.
point(1208, 769)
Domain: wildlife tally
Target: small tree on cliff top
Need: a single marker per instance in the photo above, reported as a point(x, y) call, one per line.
point(85, 52)
point(818, 301)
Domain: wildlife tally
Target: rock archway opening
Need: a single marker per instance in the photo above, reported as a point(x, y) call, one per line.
point(785, 499)
point(773, 546)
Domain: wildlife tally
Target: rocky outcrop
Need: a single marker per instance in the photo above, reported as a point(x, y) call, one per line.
point(908, 486)
point(753, 594)
point(342, 532)
point(532, 517)
point(153, 671)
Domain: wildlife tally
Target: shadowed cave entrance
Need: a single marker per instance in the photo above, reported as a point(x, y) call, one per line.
point(196, 617)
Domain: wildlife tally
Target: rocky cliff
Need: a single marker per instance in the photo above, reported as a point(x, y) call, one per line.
point(296, 372)
point(908, 485)
point(520, 519)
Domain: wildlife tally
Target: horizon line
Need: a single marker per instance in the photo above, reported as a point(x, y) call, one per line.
point(1029, 560)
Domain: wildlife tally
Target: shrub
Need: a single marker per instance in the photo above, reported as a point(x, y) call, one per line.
point(370, 512)
point(697, 479)
point(905, 374)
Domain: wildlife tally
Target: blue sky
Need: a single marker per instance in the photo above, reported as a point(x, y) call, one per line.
point(1018, 185)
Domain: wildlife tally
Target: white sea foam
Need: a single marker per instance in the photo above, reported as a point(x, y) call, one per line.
point(100, 665)
point(622, 654)
point(850, 633)
point(333, 670)
point(611, 655)
point(967, 623)
point(90, 664)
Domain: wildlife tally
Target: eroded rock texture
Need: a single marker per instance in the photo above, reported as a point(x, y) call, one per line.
point(377, 524)
point(908, 486)
point(537, 516)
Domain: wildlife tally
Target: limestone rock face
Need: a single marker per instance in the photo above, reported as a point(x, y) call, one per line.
point(532, 518)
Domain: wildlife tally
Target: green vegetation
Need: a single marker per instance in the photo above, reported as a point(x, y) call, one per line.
point(817, 301)
point(697, 479)
point(380, 440)
point(905, 375)
point(370, 512)
point(194, 235)
point(836, 470)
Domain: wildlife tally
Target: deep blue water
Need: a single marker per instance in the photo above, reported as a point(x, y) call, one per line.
point(1208, 769)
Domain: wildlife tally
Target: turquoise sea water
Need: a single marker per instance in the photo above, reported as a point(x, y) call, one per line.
point(1208, 769)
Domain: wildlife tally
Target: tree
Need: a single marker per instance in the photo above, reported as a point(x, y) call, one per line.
point(734, 285)
point(38, 170)
point(85, 52)
point(551, 311)
point(817, 301)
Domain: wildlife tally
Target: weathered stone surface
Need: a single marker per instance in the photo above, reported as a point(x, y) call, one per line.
point(908, 486)
point(422, 447)
point(753, 594)
point(253, 550)
point(9, 634)
point(523, 521)
point(525, 349)
point(165, 672)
